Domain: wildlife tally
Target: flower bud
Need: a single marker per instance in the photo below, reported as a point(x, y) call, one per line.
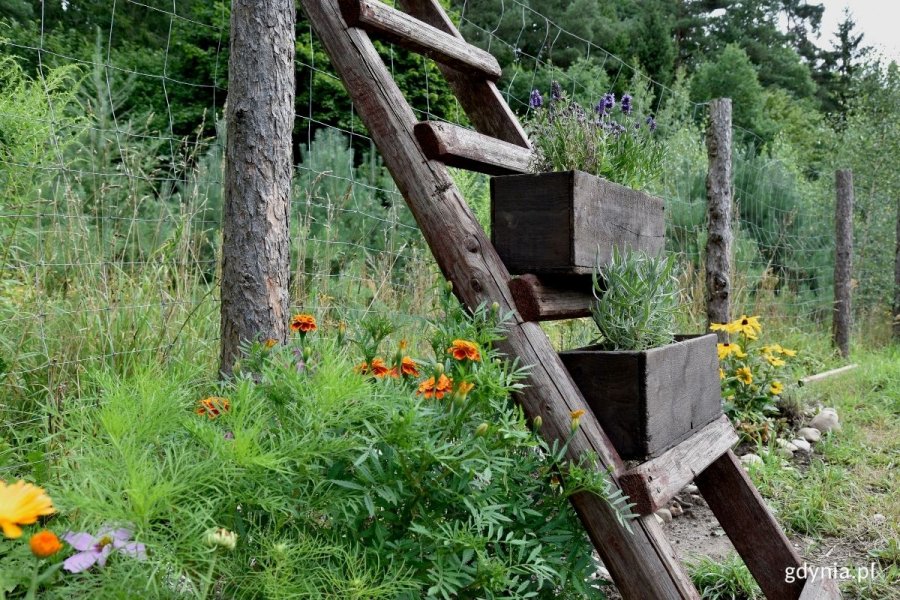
point(439, 368)
point(481, 430)
point(221, 538)
point(538, 422)
point(495, 307)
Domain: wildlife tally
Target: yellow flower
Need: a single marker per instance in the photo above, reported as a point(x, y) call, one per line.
point(744, 375)
point(721, 373)
point(749, 326)
point(726, 327)
point(727, 349)
point(464, 388)
point(44, 544)
point(776, 388)
point(21, 504)
point(788, 351)
point(775, 361)
point(577, 414)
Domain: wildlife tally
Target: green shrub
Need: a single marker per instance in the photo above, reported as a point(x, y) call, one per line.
point(637, 299)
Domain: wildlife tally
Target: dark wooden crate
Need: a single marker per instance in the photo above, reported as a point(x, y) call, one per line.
point(555, 223)
point(649, 401)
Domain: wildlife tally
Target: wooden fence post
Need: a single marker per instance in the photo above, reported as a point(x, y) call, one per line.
point(897, 279)
point(260, 119)
point(719, 201)
point(843, 251)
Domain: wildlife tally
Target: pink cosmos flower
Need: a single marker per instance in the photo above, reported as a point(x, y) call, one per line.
point(95, 550)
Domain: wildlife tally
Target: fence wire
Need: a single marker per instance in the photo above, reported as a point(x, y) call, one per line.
point(110, 215)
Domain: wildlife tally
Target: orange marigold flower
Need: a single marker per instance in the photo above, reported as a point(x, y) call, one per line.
point(303, 323)
point(213, 406)
point(378, 368)
point(362, 368)
point(464, 349)
point(408, 367)
point(270, 343)
point(436, 389)
point(44, 544)
point(21, 504)
point(577, 414)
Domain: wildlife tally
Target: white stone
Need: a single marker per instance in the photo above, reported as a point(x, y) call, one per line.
point(785, 452)
point(751, 459)
point(786, 444)
point(676, 510)
point(665, 515)
point(802, 445)
point(879, 519)
point(810, 434)
point(826, 421)
point(690, 489)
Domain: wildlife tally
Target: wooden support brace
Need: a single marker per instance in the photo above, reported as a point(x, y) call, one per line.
point(466, 149)
point(651, 485)
point(480, 98)
point(750, 526)
point(411, 33)
point(821, 588)
point(552, 298)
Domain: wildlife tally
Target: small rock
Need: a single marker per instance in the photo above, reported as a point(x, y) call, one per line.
point(676, 510)
point(802, 445)
point(751, 459)
point(878, 519)
point(786, 444)
point(810, 434)
point(697, 499)
point(785, 452)
point(665, 515)
point(690, 489)
point(826, 421)
point(717, 532)
point(685, 503)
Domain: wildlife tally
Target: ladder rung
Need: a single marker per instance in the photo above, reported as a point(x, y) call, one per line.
point(550, 298)
point(651, 485)
point(821, 588)
point(460, 147)
point(411, 33)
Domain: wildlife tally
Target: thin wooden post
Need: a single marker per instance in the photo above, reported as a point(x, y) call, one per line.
point(260, 119)
point(897, 279)
point(643, 563)
point(843, 251)
point(719, 201)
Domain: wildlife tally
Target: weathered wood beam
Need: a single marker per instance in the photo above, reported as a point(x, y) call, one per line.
point(409, 32)
point(742, 513)
point(643, 563)
point(827, 374)
point(463, 148)
point(481, 99)
point(551, 299)
point(651, 485)
point(821, 588)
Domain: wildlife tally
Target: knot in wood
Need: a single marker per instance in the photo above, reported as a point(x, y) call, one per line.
point(471, 244)
point(476, 285)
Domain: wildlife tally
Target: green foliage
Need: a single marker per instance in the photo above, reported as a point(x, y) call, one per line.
point(636, 299)
point(339, 484)
point(726, 580)
point(732, 75)
point(614, 144)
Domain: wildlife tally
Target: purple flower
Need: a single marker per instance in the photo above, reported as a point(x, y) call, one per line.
point(606, 104)
point(535, 101)
point(626, 104)
point(95, 550)
point(651, 123)
point(555, 91)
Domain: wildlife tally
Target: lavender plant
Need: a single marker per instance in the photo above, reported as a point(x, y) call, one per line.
point(610, 140)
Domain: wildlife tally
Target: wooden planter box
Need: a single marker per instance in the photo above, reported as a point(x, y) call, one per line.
point(649, 401)
point(555, 223)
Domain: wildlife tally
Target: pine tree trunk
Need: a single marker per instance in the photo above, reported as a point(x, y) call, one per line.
point(260, 119)
point(718, 195)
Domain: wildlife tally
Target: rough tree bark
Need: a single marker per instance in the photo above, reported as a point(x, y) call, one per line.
point(260, 118)
point(843, 251)
point(897, 279)
point(718, 194)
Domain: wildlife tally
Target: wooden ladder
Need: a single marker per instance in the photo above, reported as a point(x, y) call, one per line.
point(643, 563)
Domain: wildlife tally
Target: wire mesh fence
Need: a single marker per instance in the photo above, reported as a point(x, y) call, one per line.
point(110, 210)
